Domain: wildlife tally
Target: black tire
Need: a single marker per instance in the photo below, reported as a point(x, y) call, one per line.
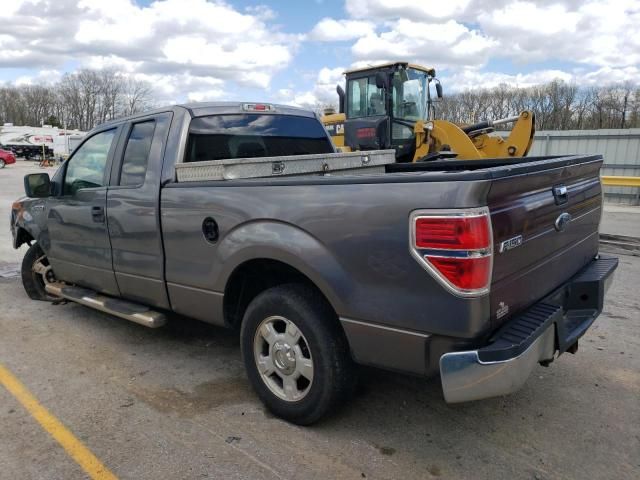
point(33, 282)
point(333, 369)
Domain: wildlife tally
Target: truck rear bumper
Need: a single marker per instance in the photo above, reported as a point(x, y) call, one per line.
point(551, 326)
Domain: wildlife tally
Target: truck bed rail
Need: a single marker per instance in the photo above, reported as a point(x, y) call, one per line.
point(351, 163)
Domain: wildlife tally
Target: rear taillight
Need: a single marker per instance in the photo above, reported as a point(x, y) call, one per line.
point(455, 246)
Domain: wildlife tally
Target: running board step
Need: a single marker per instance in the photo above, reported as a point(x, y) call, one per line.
point(133, 312)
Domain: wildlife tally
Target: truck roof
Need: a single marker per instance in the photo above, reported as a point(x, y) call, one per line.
point(200, 109)
point(203, 108)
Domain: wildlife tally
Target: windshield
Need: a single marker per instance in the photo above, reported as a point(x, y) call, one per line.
point(410, 94)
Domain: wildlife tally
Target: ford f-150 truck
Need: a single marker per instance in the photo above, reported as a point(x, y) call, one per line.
point(476, 270)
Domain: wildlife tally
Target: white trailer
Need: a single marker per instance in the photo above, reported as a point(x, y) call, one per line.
point(25, 138)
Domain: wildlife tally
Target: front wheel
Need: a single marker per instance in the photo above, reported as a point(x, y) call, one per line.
point(36, 273)
point(2, 163)
point(295, 353)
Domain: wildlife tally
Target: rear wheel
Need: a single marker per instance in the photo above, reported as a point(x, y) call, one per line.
point(2, 163)
point(36, 273)
point(295, 353)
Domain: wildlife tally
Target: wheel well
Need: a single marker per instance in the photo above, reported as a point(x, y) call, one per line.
point(23, 236)
point(252, 278)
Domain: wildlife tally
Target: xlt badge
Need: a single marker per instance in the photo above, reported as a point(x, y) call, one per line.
point(510, 244)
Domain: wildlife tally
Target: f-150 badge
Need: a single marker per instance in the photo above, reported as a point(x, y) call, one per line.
point(510, 244)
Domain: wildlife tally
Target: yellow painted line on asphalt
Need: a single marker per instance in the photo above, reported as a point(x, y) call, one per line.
point(74, 447)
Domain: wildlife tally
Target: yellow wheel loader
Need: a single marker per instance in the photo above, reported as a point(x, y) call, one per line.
point(390, 106)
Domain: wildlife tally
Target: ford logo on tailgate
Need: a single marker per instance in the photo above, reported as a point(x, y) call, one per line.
point(562, 222)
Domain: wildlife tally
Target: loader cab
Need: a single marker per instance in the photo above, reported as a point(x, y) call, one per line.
point(382, 105)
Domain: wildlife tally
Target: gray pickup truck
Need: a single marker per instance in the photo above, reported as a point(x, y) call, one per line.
point(476, 270)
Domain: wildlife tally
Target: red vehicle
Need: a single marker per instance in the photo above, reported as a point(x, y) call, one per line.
point(6, 158)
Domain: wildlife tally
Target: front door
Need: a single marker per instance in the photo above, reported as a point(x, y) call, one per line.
point(80, 251)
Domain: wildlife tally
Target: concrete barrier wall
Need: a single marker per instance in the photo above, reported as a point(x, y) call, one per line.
point(619, 147)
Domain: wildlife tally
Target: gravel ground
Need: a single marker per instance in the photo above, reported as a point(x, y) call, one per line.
point(175, 403)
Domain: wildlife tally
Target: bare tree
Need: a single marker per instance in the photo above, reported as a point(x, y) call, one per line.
point(137, 96)
point(85, 98)
point(557, 105)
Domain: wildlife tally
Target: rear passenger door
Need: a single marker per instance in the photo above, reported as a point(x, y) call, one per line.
point(133, 210)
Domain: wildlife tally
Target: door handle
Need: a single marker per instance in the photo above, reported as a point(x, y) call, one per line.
point(97, 213)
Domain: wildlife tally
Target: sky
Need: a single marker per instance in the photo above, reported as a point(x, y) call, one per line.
point(295, 51)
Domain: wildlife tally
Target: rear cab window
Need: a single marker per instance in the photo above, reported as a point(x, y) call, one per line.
point(230, 136)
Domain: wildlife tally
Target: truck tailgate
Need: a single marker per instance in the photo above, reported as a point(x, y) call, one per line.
point(545, 228)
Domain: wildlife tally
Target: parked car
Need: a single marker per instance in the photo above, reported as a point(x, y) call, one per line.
point(6, 158)
point(476, 270)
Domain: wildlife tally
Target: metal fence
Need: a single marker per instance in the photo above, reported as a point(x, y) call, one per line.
point(620, 149)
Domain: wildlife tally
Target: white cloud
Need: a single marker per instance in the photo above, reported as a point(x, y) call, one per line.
point(42, 77)
point(442, 44)
point(529, 17)
point(462, 36)
point(192, 49)
point(472, 79)
point(331, 76)
point(422, 10)
point(609, 75)
point(178, 39)
point(595, 32)
point(112, 62)
point(330, 30)
point(323, 91)
point(203, 96)
point(243, 55)
point(172, 88)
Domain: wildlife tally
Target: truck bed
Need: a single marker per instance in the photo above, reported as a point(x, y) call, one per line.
point(349, 234)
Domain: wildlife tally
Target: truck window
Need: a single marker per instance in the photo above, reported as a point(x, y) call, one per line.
point(218, 137)
point(136, 153)
point(86, 167)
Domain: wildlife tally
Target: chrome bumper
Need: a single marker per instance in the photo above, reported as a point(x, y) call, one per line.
point(465, 377)
point(551, 326)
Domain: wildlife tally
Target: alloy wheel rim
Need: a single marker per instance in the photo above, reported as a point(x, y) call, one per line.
point(42, 268)
point(283, 358)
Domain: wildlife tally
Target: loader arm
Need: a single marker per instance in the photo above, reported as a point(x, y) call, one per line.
point(517, 144)
point(474, 142)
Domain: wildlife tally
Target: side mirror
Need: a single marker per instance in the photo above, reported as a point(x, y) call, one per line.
point(439, 90)
point(37, 185)
point(381, 80)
